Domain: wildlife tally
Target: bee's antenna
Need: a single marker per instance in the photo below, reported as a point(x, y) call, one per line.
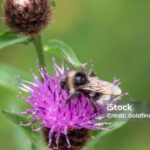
point(91, 69)
point(83, 67)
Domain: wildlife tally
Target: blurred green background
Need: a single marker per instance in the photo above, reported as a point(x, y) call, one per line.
point(116, 36)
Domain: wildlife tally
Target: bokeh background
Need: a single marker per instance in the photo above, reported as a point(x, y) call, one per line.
point(115, 35)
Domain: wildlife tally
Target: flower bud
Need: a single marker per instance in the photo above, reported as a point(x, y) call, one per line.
point(27, 16)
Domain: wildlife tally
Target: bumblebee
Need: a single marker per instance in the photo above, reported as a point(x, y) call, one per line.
point(78, 82)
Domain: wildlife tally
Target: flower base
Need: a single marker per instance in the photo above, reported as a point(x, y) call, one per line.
point(77, 137)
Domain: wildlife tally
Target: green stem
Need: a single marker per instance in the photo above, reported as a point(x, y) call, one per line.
point(37, 41)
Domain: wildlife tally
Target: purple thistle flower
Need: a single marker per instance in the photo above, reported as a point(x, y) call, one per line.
point(48, 105)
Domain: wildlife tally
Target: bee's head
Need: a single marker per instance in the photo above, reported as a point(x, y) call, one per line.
point(80, 78)
point(73, 80)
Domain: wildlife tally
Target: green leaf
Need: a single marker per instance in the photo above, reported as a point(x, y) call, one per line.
point(115, 124)
point(8, 76)
point(36, 138)
point(62, 50)
point(10, 38)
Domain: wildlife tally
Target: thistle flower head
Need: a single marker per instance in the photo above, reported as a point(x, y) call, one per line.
point(27, 16)
point(48, 105)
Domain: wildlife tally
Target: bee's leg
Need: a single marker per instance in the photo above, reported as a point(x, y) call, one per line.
point(72, 96)
point(116, 82)
point(94, 105)
point(116, 98)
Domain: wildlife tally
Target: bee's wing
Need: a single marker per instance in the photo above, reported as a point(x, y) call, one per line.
point(98, 86)
point(93, 85)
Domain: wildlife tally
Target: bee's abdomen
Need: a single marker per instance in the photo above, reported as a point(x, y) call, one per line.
point(77, 138)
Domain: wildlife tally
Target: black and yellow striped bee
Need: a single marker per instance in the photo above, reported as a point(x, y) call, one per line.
point(78, 82)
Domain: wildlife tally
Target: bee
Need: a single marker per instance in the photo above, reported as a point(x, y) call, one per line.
point(80, 82)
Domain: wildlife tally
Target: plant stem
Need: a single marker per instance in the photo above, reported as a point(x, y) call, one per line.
point(37, 41)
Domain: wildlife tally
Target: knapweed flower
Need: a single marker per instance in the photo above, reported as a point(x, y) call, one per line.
point(66, 126)
point(27, 16)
